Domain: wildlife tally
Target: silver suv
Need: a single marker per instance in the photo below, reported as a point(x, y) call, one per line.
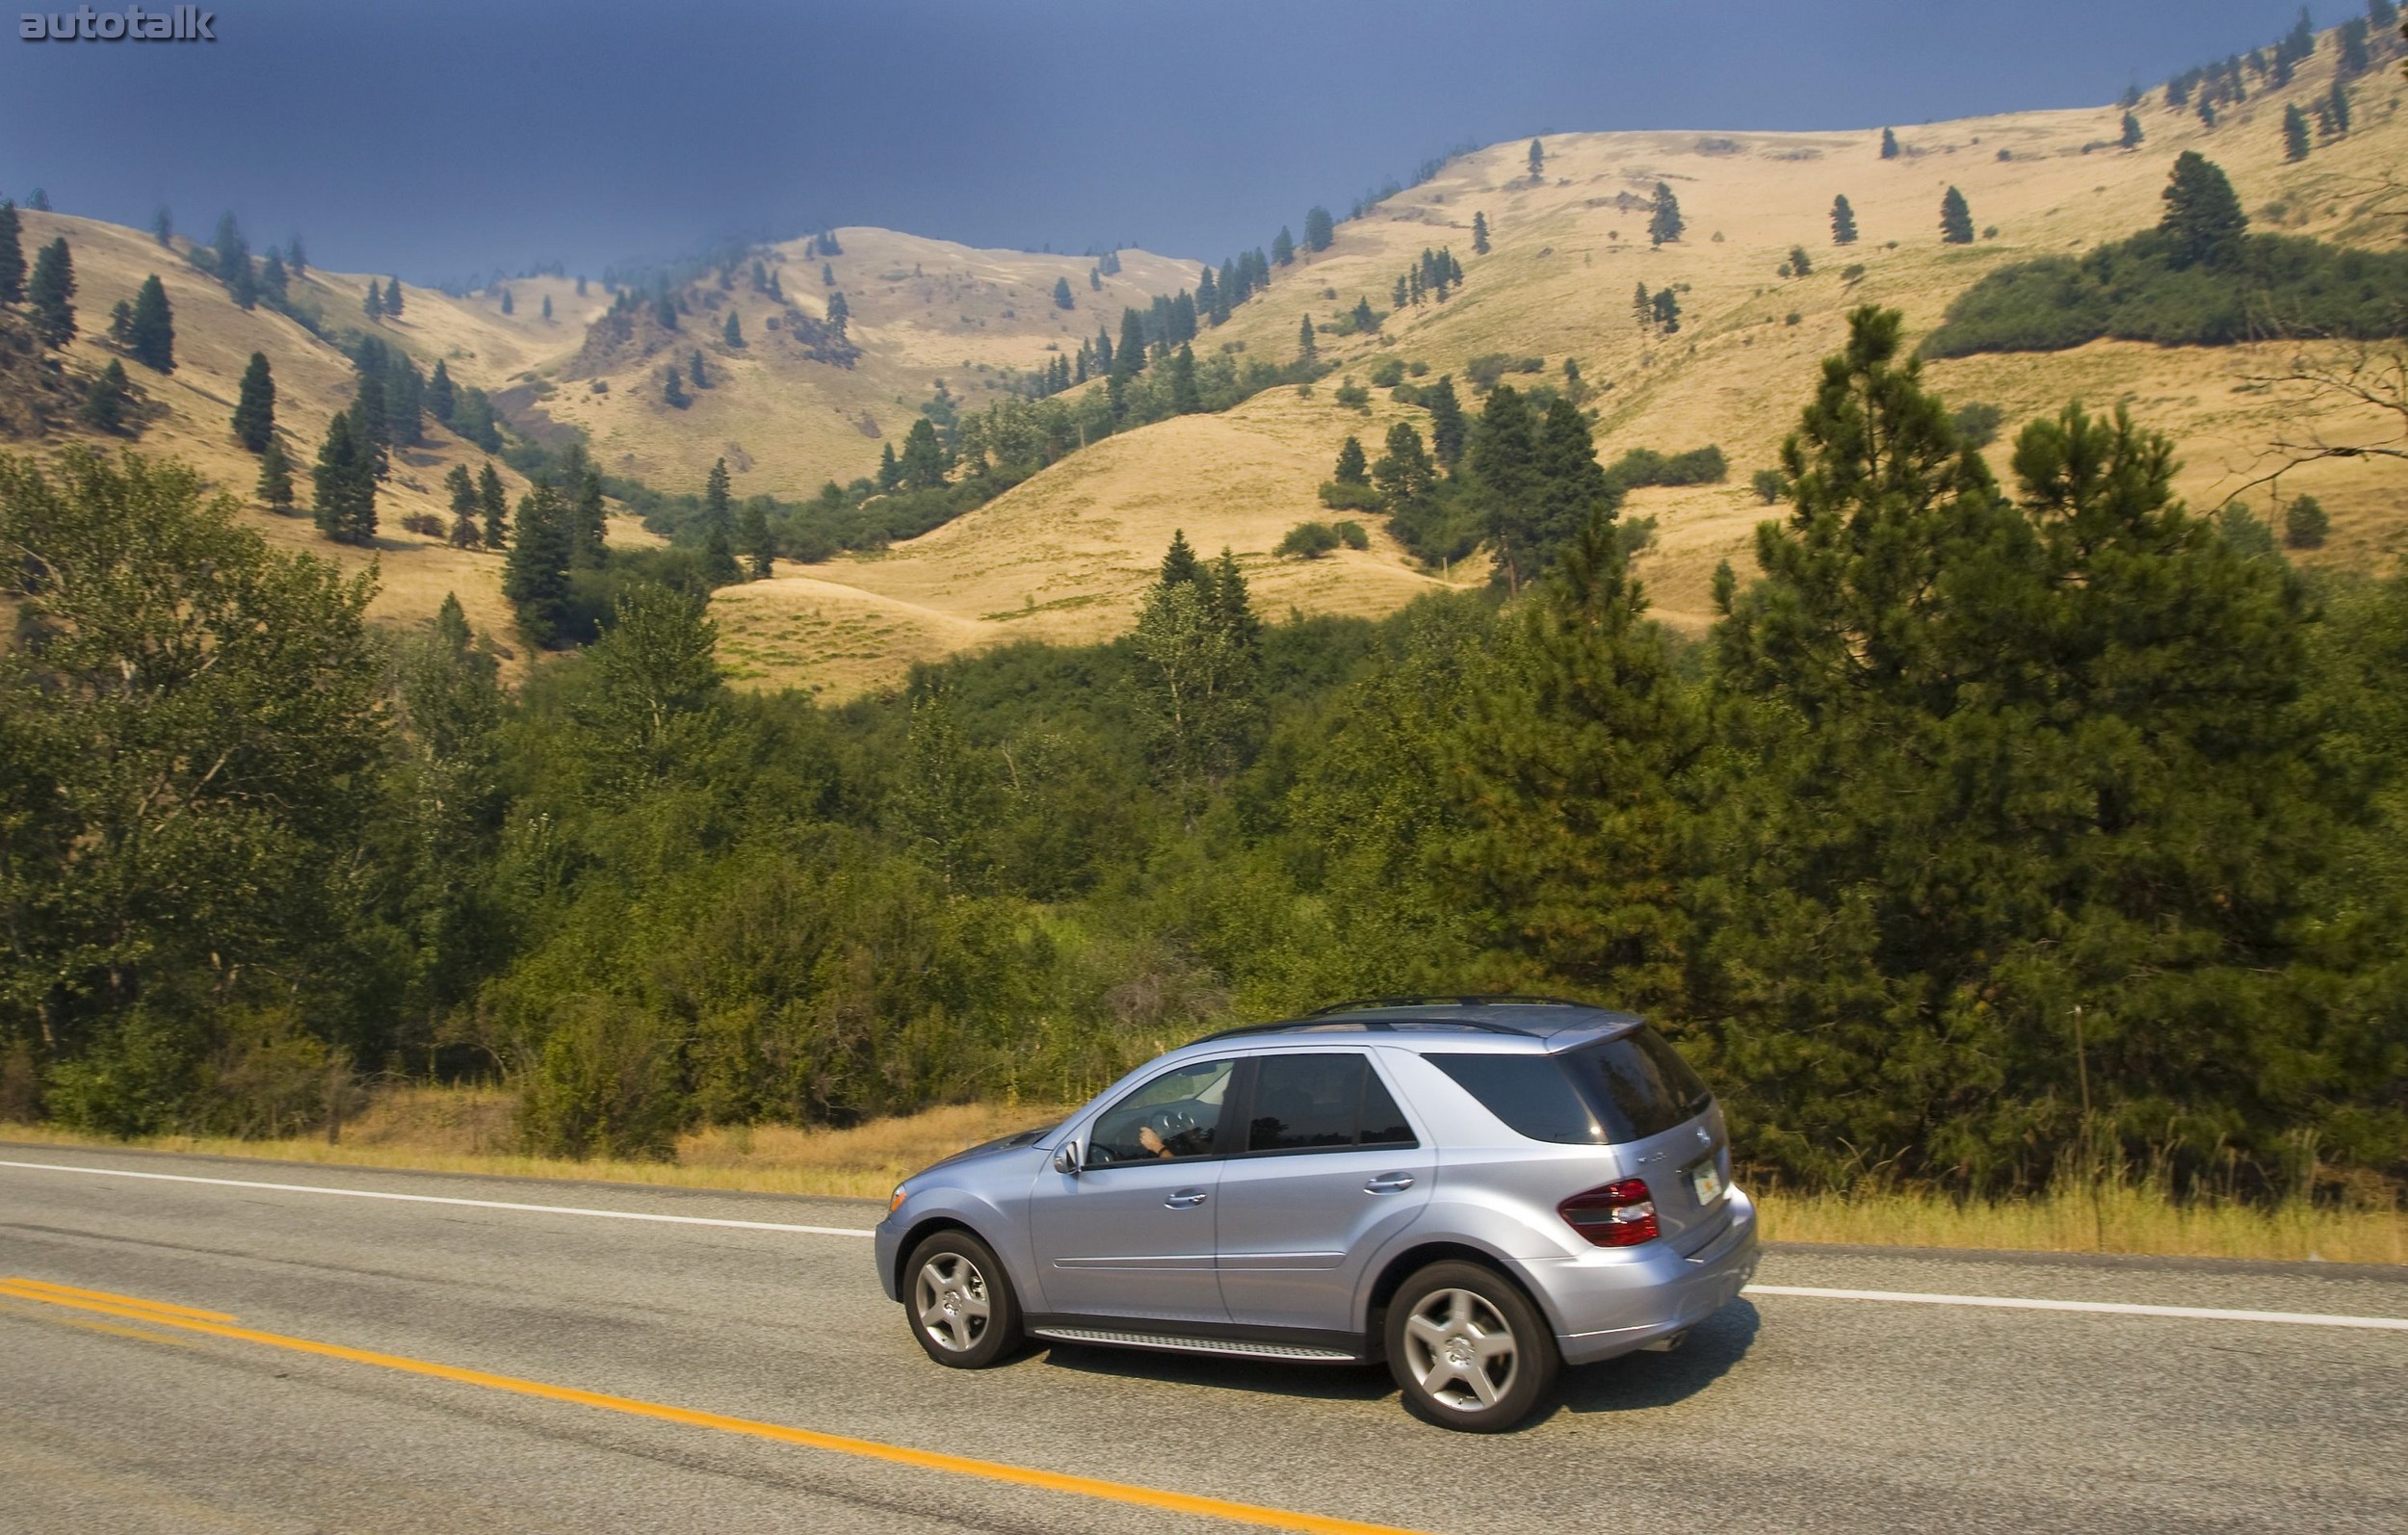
point(1477, 1190)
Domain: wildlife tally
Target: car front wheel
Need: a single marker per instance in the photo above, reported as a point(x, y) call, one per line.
point(1469, 1349)
point(959, 1302)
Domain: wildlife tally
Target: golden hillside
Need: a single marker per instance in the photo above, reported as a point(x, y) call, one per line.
point(1064, 556)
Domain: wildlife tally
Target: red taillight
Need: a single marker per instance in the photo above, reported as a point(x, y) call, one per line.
point(1617, 1215)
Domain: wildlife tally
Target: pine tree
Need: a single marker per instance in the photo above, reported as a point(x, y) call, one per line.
point(1283, 248)
point(254, 406)
point(1446, 427)
point(1956, 220)
point(393, 297)
point(588, 519)
point(536, 578)
point(1537, 160)
point(1319, 229)
point(2294, 133)
point(49, 292)
point(372, 428)
point(733, 332)
point(274, 279)
point(462, 487)
point(275, 490)
point(2131, 132)
point(2352, 56)
point(694, 370)
point(547, 308)
point(1644, 307)
point(163, 227)
point(496, 505)
point(673, 390)
point(1306, 351)
point(1365, 322)
point(508, 305)
point(580, 285)
point(839, 314)
point(296, 257)
point(718, 528)
point(151, 335)
point(923, 459)
point(1668, 311)
point(2202, 216)
point(760, 550)
point(345, 485)
point(441, 396)
point(827, 276)
point(1664, 225)
point(889, 469)
point(11, 255)
point(122, 325)
point(1352, 468)
point(1208, 294)
point(107, 399)
point(2336, 107)
point(1480, 234)
point(232, 260)
point(1185, 398)
point(1061, 295)
point(1842, 222)
point(1801, 265)
point(1400, 296)
point(1180, 566)
point(372, 302)
point(1503, 465)
point(1404, 473)
point(38, 200)
point(2207, 109)
point(1889, 144)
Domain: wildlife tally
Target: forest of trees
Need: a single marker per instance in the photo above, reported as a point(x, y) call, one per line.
point(2008, 817)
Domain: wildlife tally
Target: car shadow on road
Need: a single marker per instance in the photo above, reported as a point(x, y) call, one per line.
point(1632, 1383)
point(1639, 1381)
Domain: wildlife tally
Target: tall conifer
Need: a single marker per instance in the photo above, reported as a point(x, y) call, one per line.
point(254, 406)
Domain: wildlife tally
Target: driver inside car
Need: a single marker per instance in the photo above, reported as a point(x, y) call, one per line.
point(1189, 1142)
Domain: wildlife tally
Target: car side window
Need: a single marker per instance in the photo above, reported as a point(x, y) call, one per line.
point(1326, 1100)
point(1171, 1118)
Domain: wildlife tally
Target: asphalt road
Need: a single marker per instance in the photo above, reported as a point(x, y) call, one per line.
point(1786, 1414)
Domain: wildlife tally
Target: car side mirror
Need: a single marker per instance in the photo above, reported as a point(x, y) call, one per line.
point(1066, 1157)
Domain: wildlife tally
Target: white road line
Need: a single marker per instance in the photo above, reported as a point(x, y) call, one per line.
point(2198, 1313)
point(437, 1199)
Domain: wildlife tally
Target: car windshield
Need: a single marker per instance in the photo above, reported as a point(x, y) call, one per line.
point(1605, 1094)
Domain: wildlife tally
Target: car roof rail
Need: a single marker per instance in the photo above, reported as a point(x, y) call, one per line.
point(1499, 1000)
point(1369, 1025)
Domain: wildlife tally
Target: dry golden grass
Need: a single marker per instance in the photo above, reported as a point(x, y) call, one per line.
point(474, 1131)
point(2119, 1218)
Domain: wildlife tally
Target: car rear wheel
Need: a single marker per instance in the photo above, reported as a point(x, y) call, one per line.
point(1469, 1349)
point(959, 1303)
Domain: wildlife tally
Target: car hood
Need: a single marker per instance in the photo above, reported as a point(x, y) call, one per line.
point(1020, 1144)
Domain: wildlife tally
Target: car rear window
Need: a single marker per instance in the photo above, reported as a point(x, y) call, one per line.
point(1607, 1094)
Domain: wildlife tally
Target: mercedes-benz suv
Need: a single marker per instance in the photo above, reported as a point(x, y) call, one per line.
point(1477, 1190)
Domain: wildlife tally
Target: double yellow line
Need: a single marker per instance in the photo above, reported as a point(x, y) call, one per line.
point(219, 1324)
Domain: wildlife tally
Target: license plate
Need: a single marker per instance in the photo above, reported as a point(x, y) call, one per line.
point(1705, 1179)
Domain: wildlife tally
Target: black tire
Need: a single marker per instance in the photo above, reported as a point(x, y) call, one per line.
point(958, 1302)
point(1443, 1335)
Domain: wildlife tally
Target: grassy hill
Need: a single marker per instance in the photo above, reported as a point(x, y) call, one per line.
point(1063, 556)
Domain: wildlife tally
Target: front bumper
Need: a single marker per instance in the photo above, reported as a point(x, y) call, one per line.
point(888, 1244)
point(1612, 1301)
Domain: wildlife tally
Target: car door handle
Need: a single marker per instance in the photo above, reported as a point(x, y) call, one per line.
point(1389, 1183)
point(1186, 1199)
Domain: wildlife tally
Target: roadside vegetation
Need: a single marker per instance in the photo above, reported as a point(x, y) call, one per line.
point(2013, 826)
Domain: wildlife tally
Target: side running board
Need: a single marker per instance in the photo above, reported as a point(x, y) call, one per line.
point(1198, 1345)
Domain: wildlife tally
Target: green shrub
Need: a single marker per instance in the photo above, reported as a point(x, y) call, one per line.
point(2305, 524)
point(2135, 289)
point(1339, 497)
point(1978, 423)
point(1308, 540)
point(1353, 396)
point(1769, 485)
point(609, 1083)
point(1387, 372)
point(1353, 535)
point(2242, 529)
point(1645, 466)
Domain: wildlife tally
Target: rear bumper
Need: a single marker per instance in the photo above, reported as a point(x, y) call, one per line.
point(1610, 1302)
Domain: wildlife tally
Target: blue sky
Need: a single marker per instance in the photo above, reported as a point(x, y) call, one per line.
point(444, 139)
